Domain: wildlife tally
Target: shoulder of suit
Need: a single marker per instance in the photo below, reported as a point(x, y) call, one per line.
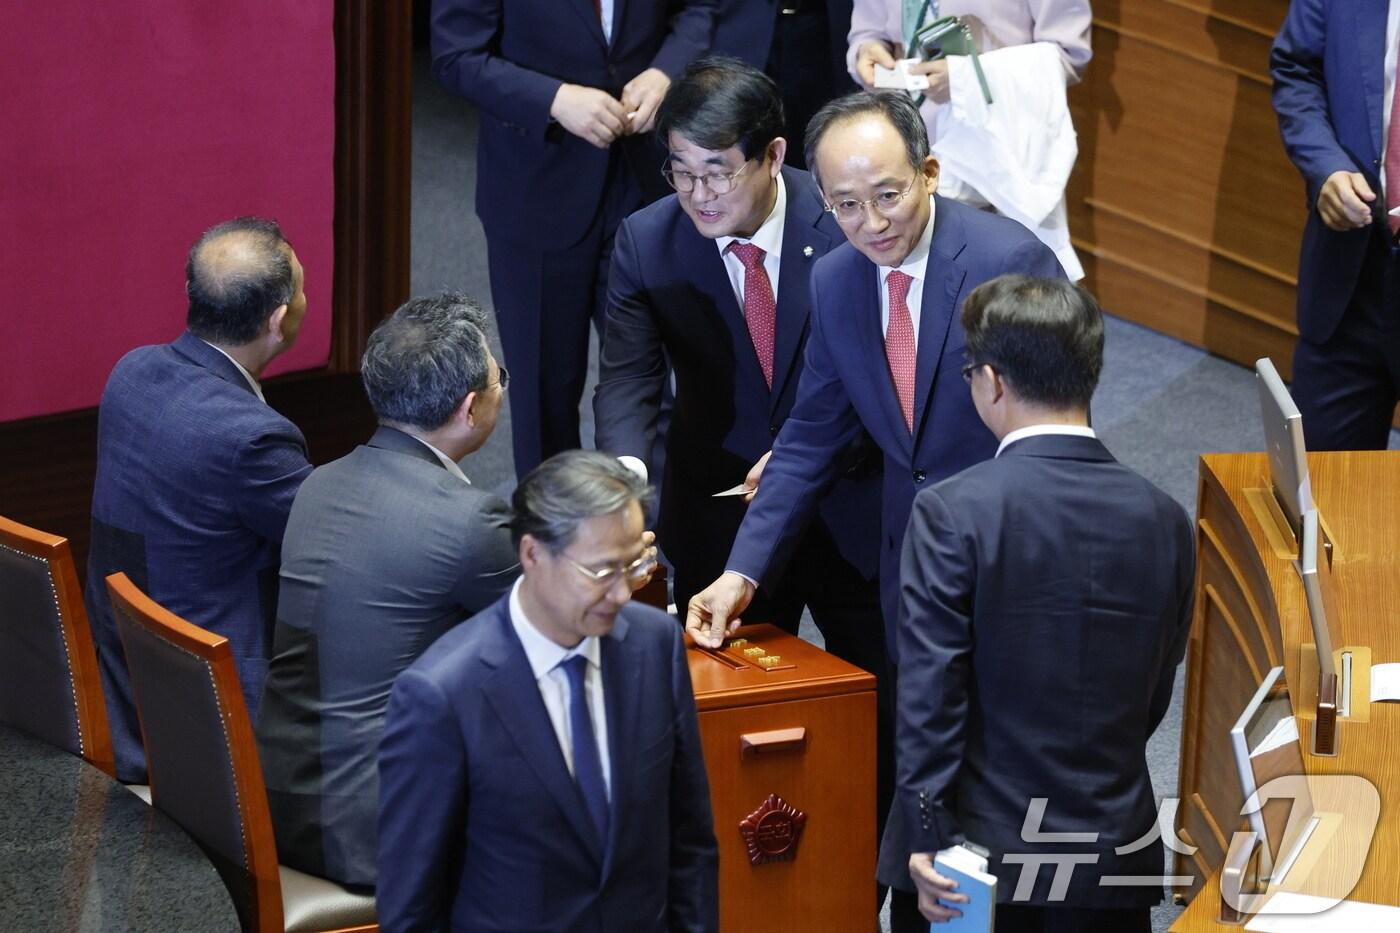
point(648, 622)
point(463, 644)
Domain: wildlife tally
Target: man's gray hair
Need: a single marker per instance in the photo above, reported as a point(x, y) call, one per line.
point(568, 488)
point(421, 362)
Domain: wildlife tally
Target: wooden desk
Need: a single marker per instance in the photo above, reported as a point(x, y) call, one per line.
point(78, 851)
point(800, 737)
point(1250, 616)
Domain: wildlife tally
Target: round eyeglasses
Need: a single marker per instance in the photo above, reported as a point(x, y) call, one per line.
point(849, 210)
point(715, 182)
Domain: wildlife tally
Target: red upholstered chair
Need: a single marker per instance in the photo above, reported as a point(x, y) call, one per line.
point(205, 773)
point(49, 685)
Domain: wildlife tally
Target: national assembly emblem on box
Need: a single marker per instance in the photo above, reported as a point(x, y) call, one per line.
point(772, 832)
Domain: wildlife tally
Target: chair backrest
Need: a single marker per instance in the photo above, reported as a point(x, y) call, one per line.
point(200, 752)
point(49, 683)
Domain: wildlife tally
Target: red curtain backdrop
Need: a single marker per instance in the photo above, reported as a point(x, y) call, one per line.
point(125, 130)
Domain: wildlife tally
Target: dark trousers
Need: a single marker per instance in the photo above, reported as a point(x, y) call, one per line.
point(545, 301)
point(1347, 386)
point(1025, 918)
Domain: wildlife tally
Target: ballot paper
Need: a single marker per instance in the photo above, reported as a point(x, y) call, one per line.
point(1385, 679)
point(739, 490)
point(1394, 212)
point(1283, 732)
point(898, 78)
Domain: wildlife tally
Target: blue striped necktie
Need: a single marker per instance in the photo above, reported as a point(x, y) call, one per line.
point(588, 767)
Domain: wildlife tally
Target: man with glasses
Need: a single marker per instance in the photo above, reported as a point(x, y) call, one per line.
point(885, 351)
point(541, 765)
point(386, 549)
point(715, 279)
point(1046, 603)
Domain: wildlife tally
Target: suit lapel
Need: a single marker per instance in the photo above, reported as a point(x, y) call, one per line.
point(515, 698)
point(943, 281)
point(1369, 33)
point(621, 675)
point(802, 244)
point(595, 24)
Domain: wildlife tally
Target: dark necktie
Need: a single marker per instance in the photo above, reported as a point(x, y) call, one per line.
point(899, 345)
point(588, 767)
point(760, 309)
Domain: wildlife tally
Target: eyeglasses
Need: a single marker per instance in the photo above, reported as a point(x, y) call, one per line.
point(503, 380)
point(848, 210)
point(971, 368)
point(635, 572)
point(717, 182)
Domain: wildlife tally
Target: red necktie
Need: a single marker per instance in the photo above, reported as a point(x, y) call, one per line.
point(899, 345)
point(1392, 163)
point(760, 310)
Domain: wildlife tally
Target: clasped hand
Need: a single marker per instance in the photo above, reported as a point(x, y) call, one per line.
point(601, 119)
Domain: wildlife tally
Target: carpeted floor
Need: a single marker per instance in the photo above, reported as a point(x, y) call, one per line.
point(1160, 403)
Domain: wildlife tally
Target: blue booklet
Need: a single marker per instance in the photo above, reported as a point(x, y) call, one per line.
point(969, 870)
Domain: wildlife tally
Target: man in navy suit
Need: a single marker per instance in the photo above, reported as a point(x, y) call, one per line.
point(681, 289)
point(885, 349)
point(195, 473)
point(1045, 605)
point(541, 765)
point(567, 92)
point(1334, 67)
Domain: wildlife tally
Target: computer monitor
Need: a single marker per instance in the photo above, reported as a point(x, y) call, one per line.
point(1266, 747)
point(1283, 436)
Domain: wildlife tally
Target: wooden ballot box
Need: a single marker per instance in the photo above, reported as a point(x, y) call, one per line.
point(789, 738)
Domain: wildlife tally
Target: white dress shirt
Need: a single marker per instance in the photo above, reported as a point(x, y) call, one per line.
point(768, 237)
point(546, 659)
point(253, 383)
point(1073, 430)
point(1392, 32)
point(447, 461)
point(915, 266)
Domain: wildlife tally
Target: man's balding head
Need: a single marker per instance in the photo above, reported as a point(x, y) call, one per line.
point(237, 275)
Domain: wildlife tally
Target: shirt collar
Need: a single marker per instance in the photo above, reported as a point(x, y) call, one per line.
point(1034, 430)
point(769, 236)
point(447, 461)
point(252, 383)
point(915, 265)
point(543, 654)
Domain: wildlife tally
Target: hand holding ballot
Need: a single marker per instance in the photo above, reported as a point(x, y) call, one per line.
point(713, 613)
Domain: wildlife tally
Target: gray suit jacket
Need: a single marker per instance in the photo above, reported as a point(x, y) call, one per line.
point(385, 551)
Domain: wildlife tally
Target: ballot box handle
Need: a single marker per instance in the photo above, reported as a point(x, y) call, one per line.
point(775, 741)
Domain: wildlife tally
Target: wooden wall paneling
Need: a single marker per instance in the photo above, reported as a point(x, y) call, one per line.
point(47, 464)
point(1183, 203)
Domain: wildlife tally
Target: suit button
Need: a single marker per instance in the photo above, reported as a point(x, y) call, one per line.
point(920, 476)
point(612, 71)
point(772, 430)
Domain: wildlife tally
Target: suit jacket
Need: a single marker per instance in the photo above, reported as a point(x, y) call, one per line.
point(1045, 605)
point(195, 477)
point(670, 297)
point(509, 57)
point(481, 826)
point(1329, 86)
point(846, 387)
point(744, 29)
point(385, 550)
